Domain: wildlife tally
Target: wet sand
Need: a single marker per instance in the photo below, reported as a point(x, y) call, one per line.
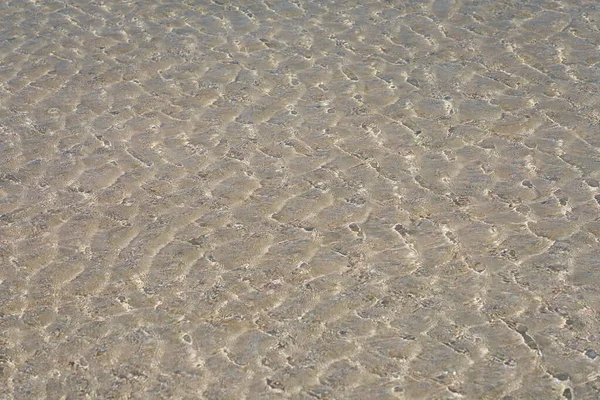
point(299, 199)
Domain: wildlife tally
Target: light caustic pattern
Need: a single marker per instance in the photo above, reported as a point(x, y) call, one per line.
point(299, 199)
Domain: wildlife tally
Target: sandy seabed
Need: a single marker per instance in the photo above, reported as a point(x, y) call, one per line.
point(299, 199)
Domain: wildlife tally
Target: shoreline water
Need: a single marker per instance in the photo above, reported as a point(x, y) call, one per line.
point(305, 199)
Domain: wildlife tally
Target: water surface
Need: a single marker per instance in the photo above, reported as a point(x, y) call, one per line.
point(299, 199)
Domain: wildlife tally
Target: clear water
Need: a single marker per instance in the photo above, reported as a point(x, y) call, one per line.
point(299, 199)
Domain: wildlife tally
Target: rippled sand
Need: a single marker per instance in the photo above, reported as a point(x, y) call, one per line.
point(299, 199)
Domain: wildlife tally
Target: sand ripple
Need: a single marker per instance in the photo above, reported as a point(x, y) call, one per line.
point(299, 199)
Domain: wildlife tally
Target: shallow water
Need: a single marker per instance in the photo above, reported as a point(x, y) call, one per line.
point(299, 199)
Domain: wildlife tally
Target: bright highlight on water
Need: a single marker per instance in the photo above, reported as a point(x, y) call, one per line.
point(299, 199)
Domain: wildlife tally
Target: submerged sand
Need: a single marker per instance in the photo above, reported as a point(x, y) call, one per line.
point(299, 199)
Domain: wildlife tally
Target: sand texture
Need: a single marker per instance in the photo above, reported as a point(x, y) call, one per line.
point(294, 199)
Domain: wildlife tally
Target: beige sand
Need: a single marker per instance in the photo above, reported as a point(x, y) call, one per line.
point(299, 199)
